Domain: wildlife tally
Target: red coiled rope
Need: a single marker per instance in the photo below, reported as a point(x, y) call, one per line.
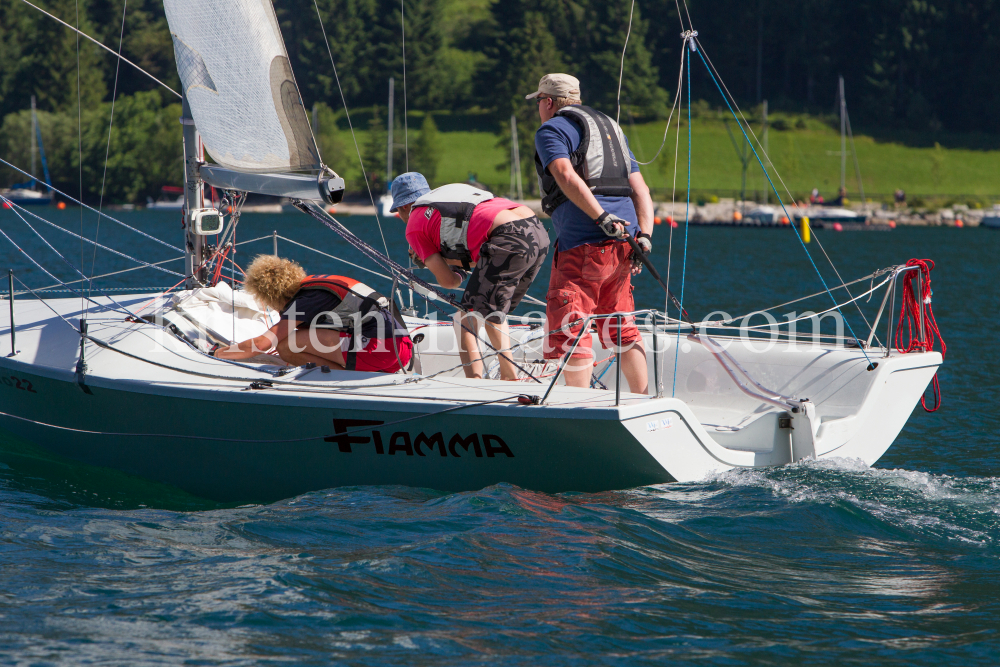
point(917, 340)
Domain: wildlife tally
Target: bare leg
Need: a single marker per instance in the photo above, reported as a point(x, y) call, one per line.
point(578, 371)
point(499, 335)
point(468, 346)
point(634, 369)
point(318, 346)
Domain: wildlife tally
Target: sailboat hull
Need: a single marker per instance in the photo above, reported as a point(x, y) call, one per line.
point(224, 438)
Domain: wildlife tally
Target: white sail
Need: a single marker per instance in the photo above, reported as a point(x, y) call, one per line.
point(236, 75)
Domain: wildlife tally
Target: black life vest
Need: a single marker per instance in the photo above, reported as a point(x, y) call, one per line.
point(455, 203)
point(601, 160)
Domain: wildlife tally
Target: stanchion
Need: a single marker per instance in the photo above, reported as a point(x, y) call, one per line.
point(13, 341)
point(618, 363)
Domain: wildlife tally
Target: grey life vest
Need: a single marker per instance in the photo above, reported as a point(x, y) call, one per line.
point(601, 160)
point(455, 203)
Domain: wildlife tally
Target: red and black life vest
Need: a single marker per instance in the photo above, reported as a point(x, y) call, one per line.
point(358, 301)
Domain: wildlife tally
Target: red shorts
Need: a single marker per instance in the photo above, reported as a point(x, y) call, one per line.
point(378, 355)
point(587, 280)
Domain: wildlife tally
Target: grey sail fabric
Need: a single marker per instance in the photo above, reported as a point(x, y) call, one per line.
point(235, 73)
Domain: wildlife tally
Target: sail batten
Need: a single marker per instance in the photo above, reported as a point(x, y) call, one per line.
point(235, 72)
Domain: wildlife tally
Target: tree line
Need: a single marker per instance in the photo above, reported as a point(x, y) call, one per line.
point(914, 64)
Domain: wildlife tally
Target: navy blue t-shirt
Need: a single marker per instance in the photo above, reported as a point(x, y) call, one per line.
point(558, 138)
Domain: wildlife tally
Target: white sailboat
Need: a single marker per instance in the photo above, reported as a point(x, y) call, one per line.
point(124, 383)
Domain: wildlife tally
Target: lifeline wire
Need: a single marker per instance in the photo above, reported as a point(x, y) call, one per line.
point(362, 429)
point(775, 190)
point(347, 112)
point(85, 35)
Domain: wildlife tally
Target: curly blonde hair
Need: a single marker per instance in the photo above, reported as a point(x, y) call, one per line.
point(273, 280)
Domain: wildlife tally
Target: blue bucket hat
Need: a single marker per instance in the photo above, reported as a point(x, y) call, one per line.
point(408, 188)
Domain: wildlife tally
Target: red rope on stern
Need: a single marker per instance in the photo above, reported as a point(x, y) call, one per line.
point(909, 317)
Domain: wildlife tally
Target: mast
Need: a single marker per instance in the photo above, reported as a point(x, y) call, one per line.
point(843, 138)
point(388, 157)
point(34, 144)
point(194, 198)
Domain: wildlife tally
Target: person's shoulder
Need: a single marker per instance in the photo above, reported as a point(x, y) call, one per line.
point(559, 124)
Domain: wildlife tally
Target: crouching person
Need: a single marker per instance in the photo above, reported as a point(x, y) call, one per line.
point(458, 225)
point(327, 320)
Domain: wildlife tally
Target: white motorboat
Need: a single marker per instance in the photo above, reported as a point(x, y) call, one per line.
point(124, 382)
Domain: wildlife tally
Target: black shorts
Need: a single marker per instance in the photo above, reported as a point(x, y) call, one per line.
point(509, 260)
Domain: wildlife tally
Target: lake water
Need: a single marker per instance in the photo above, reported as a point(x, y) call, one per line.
point(822, 563)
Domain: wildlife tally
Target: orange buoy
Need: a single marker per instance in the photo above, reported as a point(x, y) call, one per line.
point(959, 223)
point(6, 204)
point(784, 219)
point(61, 205)
point(331, 209)
point(673, 223)
point(737, 216)
point(657, 221)
point(837, 227)
point(892, 224)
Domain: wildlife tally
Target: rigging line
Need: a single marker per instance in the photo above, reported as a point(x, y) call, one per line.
point(782, 203)
point(673, 191)
point(362, 429)
point(79, 127)
point(686, 11)
point(347, 112)
point(687, 217)
point(320, 252)
point(621, 70)
point(91, 208)
point(728, 97)
point(320, 214)
point(44, 270)
point(107, 150)
point(114, 273)
point(85, 300)
point(666, 130)
point(406, 123)
point(14, 206)
point(86, 36)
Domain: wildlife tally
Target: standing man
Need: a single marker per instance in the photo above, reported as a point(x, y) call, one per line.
point(592, 188)
point(460, 225)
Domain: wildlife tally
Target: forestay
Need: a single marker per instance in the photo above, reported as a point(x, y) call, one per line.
point(236, 75)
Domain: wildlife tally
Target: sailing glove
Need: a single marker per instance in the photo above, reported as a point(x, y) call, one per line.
point(461, 273)
point(612, 225)
point(417, 262)
point(645, 243)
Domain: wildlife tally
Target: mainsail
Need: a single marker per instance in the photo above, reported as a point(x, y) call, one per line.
point(239, 84)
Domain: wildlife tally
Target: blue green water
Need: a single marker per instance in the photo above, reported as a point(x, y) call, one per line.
point(821, 563)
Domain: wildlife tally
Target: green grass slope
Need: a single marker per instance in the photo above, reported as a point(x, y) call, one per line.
point(805, 157)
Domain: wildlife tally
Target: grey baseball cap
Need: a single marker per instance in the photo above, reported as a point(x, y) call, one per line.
point(557, 85)
point(408, 188)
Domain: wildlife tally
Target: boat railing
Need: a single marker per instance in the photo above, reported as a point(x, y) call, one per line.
point(890, 300)
point(585, 331)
